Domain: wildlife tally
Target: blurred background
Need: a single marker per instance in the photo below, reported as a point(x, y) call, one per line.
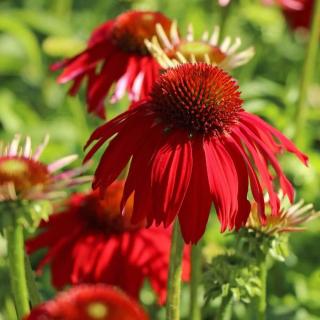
point(36, 33)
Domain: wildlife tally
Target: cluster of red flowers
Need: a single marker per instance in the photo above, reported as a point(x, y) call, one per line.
point(186, 142)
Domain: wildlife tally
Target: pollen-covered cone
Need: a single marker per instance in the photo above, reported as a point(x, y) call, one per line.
point(189, 145)
point(91, 242)
point(89, 302)
point(116, 54)
point(173, 50)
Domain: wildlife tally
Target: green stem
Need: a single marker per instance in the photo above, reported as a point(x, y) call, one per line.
point(35, 298)
point(16, 268)
point(195, 311)
point(224, 312)
point(175, 270)
point(259, 303)
point(307, 73)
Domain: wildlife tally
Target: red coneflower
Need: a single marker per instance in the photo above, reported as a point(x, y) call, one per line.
point(104, 246)
point(89, 302)
point(116, 53)
point(191, 144)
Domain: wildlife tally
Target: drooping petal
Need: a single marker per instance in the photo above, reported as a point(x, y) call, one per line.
point(194, 213)
point(222, 192)
point(287, 144)
point(170, 176)
point(120, 150)
point(257, 192)
point(262, 167)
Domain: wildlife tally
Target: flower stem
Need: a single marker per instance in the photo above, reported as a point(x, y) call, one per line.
point(224, 312)
point(175, 270)
point(35, 298)
point(307, 72)
point(195, 311)
point(259, 303)
point(17, 272)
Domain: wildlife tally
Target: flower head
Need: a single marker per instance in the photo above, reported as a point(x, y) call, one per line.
point(192, 134)
point(89, 302)
point(289, 219)
point(118, 45)
point(103, 246)
point(26, 183)
point(174, 50)
point(24, 177)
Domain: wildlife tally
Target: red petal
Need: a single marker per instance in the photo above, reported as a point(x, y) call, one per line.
point(120, 150)
point(285, 141)
point(194, 213)
point(170, 176)
point(111, 71)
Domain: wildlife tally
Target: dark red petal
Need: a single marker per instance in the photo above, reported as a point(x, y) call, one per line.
point(244, 205)
point(269, 156)
point(194, 213)
point(120, 150)
point(170, 176)
point(220, 189)
point(256, 188)
point(262, 167)
point(289, 146)
point(141, 161)
point(85, 61)
point(110, 128)
point(111, 71)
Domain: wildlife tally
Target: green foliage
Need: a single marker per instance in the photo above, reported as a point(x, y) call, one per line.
point(24, 212)
point(232, 275)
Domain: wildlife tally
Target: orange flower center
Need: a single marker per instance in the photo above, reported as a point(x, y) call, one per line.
point(132, 28)
point(198, 97)
point(199, 50)
point(105, 213)
point(23, 173)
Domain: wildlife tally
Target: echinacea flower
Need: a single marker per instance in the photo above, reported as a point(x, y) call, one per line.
point(191, 144)
point(210, 49)
point(25, 181)
point(258, 240)
point(289, 219)
point(103, 246)
point(115, 54)
point(89, 302)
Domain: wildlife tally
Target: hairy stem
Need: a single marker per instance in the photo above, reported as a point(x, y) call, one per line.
point(17, 272)
point(175, 270)
point(195, 311)
point(259, 303)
